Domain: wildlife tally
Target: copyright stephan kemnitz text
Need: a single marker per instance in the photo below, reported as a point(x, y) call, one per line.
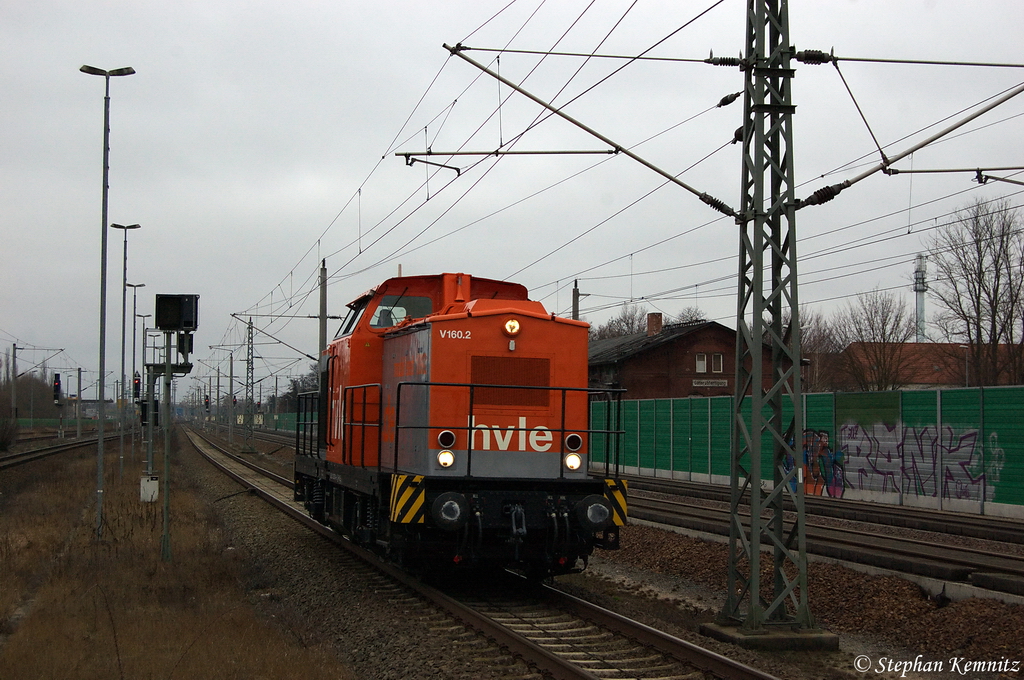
point(956, 665)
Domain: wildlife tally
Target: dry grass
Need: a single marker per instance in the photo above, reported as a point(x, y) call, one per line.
point(75, 607)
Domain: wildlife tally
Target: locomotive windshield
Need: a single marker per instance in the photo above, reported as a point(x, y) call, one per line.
point(355, 311)
point(393, 309)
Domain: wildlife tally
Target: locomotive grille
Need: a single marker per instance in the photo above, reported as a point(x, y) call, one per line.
point(511, 371)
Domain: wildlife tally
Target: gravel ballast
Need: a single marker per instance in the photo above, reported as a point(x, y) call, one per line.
point(668, 580)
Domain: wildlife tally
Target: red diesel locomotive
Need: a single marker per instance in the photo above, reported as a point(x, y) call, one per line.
point(452, 428)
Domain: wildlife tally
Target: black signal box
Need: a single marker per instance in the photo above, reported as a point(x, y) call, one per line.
point(177, 312)
point(144, 412)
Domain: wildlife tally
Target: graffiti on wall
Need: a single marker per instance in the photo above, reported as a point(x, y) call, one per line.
point(824, 472)
point(921, 461)
point(915, 461)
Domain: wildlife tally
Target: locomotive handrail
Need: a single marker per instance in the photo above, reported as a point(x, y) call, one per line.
point(306, 428)
point(328, 439)
point(561, 430)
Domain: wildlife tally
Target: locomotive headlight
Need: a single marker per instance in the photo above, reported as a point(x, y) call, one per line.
point(511, 327)
point(573, 461)
point(573, 442)
point(445, 458)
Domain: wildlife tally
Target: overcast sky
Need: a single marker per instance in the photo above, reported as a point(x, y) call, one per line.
point(258, 138)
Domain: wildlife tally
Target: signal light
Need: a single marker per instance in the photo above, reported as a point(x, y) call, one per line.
point(137, 386)
point(207, 400)
point(56, 388)
point(234, 400)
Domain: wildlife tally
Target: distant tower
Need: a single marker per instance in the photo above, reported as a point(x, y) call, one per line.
point(920, 288)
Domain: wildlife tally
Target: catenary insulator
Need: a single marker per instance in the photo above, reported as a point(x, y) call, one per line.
point(729, 99)
point(722, 61)
point(823, 195)
point(718, 205)
point(814, 57)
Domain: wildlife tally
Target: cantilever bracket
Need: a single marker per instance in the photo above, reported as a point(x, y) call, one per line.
point(410, 159)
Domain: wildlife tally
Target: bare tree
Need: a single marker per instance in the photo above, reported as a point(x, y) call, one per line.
point(304, 383)
point(631, 319)
point(979, 262)
point(821, 349)
point(874, 332)
point(690, 314)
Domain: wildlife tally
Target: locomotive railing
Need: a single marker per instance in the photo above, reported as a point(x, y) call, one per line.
point(307, 439)
point(612, 430)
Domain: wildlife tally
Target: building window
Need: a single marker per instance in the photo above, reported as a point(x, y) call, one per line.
point(702, 362)
point(716, 362)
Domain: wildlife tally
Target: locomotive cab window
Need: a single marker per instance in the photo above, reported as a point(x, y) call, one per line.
point(355, 311)
point(394, 309)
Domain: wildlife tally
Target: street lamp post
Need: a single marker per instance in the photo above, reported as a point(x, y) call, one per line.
point(124, 315)
point(93, 71)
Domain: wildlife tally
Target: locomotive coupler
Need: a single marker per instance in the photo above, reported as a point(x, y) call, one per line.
point(518, 516)
point(518, 521)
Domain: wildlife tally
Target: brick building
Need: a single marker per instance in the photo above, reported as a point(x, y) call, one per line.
point(695, 359)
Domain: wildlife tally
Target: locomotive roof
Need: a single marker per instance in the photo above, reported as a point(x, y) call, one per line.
point(505, 290)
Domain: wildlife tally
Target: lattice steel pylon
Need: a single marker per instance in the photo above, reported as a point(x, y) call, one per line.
point(770, 416)
point(250, 404)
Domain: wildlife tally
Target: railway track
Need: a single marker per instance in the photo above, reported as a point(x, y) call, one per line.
point(556, 634)
point(987, 527)
point(20, 458)
point(930, 558)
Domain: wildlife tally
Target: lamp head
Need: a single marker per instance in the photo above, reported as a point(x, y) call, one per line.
point(93, 71)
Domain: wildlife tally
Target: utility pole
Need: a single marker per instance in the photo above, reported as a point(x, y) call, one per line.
point(231, 398)
point(576, 299)
point(165, 541)
point(150, 408)
point(78, 407)
point(767, 413)
point(323, 315)
point(14, 384)
point(920, 288)
point(249, 446)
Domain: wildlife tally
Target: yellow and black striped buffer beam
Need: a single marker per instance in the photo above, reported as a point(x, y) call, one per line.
point(615, 491)
point(408, 497)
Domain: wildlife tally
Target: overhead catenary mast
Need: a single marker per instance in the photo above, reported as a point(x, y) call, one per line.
point(767, 408)
point(920, 288)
